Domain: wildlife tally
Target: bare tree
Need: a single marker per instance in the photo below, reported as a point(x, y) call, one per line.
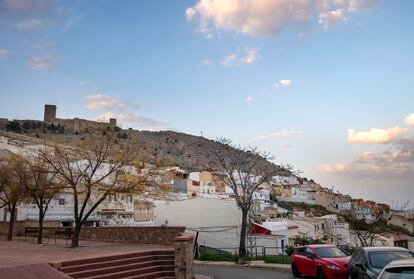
point(246, 169)
point(41, 186)
point(11, 188)
point(366, 230)
point(90, 170)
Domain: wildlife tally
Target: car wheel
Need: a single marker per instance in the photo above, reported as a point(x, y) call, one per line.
point(295, 271)
point(320, 274)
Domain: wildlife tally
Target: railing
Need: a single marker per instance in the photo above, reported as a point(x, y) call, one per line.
point(273, 254)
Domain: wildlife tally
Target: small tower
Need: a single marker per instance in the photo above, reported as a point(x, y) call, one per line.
point(112, 122)
point(50, 113)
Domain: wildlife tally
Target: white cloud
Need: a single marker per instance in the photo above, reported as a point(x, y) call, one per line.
point(229, 60)
point(249, 99)
point(190, 13)
point(42, 63)
point(410, 119)
point(248, 56)
point(205, 62)
point(282, 83)
point(375, 135)
point(361, 5)
point(100, 101)
point(131, 120)
point(27, 6)
point(251, 55)
point(283, 134)
point(330, 18)
point(33, 24)
point(4, 53)
point(333, 168)
point(270, 17)
point(385, 164)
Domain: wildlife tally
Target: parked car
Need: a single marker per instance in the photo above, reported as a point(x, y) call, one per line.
point(320, 261)
point(367, 262)
point(399, 269)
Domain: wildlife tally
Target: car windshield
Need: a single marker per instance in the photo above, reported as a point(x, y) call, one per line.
point(329, 252)
point(381, 259)
point(399, 273)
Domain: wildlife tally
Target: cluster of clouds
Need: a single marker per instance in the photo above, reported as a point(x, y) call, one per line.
point(375, 135)
point(248, 56)
point(282, 83)
point(33, 20)
point(396, 160)
point(280, 134)
point(263, 18)
point(115, 107)
point(42, 62)
point(277, 85)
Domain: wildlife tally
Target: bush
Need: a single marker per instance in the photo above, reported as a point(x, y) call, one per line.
point(218, 257)
point(277, 259)
point(14, 126)
point(289, 250)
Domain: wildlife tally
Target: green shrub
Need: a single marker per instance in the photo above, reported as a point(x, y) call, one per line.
point(218, 257)
point(277, 259)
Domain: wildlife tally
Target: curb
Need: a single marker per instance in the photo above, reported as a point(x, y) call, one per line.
point(281, 267)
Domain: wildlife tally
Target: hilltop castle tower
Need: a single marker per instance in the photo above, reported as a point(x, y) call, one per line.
point(50, 113)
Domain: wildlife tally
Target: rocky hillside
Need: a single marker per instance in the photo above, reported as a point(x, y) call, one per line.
point(164, 148)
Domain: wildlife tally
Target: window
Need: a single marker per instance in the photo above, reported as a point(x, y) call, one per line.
point(309, 252)
point(381, 259)
point(398, 273)
point(112, 197)
point(330, 252)
point(61, 201)
point(129, 198)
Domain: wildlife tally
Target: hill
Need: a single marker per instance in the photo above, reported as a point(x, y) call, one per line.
point(163, 148)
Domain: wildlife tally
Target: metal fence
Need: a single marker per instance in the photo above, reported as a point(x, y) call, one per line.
point(229, 253)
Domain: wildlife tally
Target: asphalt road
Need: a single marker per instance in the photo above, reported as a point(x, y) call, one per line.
point(230, 272)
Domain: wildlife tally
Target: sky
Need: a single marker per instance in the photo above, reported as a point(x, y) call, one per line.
point(324, 85)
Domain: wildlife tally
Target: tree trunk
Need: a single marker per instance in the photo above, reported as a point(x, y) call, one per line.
point(40, 235)
point(76, 234)
point(242, 245)
point(11, 223)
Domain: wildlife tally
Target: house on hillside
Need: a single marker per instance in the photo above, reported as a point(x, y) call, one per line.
point(361, 210)
point(401, 221)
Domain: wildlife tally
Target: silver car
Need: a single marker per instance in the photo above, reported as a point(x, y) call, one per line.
point(399, 269)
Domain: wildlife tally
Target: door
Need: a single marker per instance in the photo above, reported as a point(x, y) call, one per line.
point(309, 263)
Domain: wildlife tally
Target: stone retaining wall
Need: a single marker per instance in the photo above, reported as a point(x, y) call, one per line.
point(142, 235)
point(184, 246)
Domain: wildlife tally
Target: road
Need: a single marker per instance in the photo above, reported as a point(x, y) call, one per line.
point(234, 272)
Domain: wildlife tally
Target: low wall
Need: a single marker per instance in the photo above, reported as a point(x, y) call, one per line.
point(19, 226)
point(184, 255)
point(142, 235)
point(162, 235)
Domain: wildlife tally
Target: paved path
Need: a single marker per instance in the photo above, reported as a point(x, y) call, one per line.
point(235, 272)
point(20, 252)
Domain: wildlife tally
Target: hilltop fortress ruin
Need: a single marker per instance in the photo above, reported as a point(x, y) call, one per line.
point(76, 125)
point(51, 122)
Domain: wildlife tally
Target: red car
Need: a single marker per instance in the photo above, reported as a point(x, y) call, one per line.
point(320, 261)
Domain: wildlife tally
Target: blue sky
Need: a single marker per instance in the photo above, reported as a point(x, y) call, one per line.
point(291, 77)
